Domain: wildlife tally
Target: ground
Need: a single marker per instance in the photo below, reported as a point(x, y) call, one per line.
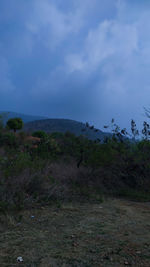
point(113, 233)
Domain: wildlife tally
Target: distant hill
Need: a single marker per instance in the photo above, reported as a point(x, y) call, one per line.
point(64, 125)
point(34, 123)
point(26, 118)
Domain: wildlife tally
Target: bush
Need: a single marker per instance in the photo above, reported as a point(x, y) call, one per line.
point(9, 139)
point(48, 148)
point(40, 134)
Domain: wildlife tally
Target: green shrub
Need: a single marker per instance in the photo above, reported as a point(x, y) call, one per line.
point(17, 163)
point(48, 148)
point(40, 134)
point(9, 139)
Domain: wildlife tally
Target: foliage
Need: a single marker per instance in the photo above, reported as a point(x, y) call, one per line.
point(60, 166)
point(15, 124)
point(40, 134)
point(48, 148)
point(134, 129)
point(146, 130)
point(8, 139)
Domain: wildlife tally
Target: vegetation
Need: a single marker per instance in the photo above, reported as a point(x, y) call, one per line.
point(113, 233)
point(79, 192)
point(15, 124)
point(45, 167)
point(64, 125)
point(40, 134)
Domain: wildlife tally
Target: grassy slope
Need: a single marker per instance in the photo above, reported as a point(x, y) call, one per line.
point(113, 233)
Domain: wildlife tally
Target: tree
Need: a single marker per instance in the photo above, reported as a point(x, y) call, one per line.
point(146, 130)
point(147, 112)
point(134, 129)
point(15, 124)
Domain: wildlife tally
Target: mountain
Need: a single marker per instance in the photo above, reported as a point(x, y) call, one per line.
point(26, 118)
point(64, 125)
point(34, 123)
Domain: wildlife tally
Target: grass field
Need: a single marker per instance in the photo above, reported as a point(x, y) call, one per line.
point(113, 233)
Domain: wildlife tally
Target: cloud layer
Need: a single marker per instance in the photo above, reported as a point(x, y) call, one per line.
point(76, 59)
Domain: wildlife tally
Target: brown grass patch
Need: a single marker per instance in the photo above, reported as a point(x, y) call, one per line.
point(114, 233)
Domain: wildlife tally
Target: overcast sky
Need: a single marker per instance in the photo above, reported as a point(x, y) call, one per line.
point(87, 60)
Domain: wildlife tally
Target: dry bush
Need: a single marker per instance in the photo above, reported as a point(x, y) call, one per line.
point(70, 182)
point(17, 191)
point(62, 181)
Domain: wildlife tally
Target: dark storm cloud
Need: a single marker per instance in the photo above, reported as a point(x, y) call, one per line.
point(85, 60)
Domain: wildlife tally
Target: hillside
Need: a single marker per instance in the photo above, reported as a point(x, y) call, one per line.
point(26, 118)
point(64, 125)
point(68, 201)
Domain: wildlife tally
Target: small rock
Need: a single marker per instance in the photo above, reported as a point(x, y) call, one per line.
point(20, 259)
point(138, 252)
point(126, 263)
point(75, 244)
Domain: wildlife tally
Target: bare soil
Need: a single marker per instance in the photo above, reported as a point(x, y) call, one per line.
point(113, 233)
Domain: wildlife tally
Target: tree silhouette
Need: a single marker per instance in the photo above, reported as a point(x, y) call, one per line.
point(15, 124)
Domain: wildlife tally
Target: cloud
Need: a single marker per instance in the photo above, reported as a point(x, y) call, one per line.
point(52, 22)
point(117, 51)
point(51, 25)
point(81, 59)
point(113, 48)
point(6, 84)
point(110, 39)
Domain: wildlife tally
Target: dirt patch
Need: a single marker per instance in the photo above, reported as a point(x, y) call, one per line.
point(114, 233)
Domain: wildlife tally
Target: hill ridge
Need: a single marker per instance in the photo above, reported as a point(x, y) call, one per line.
point(23, 116)
point(63, 125)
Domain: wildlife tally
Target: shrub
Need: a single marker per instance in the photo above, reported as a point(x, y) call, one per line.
point(48, 148)
point(40, 134)
point(9, 139)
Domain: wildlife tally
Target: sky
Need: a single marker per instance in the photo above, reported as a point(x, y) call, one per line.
point(83, 60)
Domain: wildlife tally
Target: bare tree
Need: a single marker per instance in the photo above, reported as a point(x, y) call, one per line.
point(147, 112)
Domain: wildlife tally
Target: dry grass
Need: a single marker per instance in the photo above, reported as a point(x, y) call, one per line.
point(113, 233)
